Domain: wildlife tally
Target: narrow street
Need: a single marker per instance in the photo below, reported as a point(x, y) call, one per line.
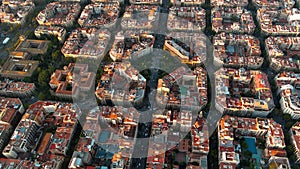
point(140, 153)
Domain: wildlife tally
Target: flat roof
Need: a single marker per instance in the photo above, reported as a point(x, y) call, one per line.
point(44, 143)
point(104, 136)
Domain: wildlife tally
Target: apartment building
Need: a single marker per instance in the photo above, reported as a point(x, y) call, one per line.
point(100, 15)
point(287, 89)
point(232, 20)
point(86, 43)
point(187, 18)
point(280, 51)
point(233, 50)
point(75, 78)
point(130, 44)
point(189, 47)
point(59, 13)
point(16, 89)
point(15, 12)
point(121, 84)
point(243, 92)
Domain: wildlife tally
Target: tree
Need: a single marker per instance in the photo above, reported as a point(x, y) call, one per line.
point(277, 112)
point(287, 117)
point(261, 144)
point(42, 96)
point(27, 80)
point(235, 18)
point(182, 164)
point(244, 145)
point(51, 69)
point(55, 55)
point(247, 154)
point(290, 149)
point(43, 78)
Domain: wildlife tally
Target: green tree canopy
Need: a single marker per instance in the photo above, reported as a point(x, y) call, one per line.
point(43, 78)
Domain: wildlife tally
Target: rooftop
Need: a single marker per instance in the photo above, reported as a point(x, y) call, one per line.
point(140, 17)
point(18, 69)
point(228, 3)
point(32, 46)
point(129, 44)
point(274, 5)
point(142, 2)
point(99, 15)
point(72, 79)
point(279, 22)
point(86, 43)
point(237, 50)
point(288, 88)
point(281, 52)
point(59, 13)
point(232, 127)
point(234, 20)
point(121, 83)
point(172, 89)
point(189, 47)
point(187, 2)
point(9, 107)
point(56, 31)
point(15, 12)
point(240, 90)
point(295, 138)
point(186, 18)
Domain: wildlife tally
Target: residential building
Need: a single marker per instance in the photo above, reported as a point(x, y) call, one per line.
point(279, 162)
point(243, 92)
point(183, 88)
point(281, 52)
point(121, 84)
point(39, 115)
point(49, 161)
point(227, 3)
point(16, 89)
point(59, 13)
point(231, 131)
point(140, 17)
point(10, 110)
point(295, 140)
point(274, 5)
point(100, 15)
point(15, 12)
point(186, 18)
point(144, 2)
point(69, 82)
point(24, 138)
point(124, 120)
point(187, 2)
point(61, 140)
point(278, 22)
point(107, 138)
point(233, 50)
point(232, 20)
point(15, 163)
point(287, 88)
point(6, 131)
point(83, 153)
point(129, 44)
point(86, 43)
point(57, 31)
point(189, 47)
